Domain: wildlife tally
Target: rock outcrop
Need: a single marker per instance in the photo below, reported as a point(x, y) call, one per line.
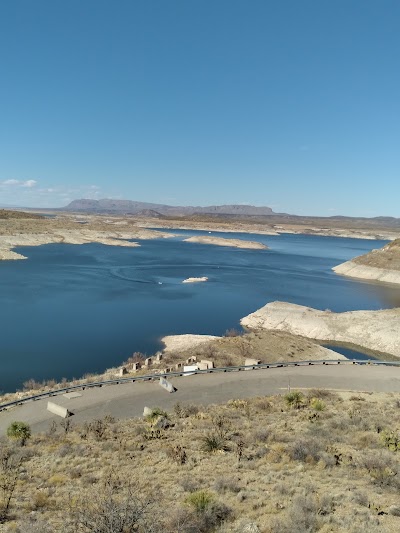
point(373, 330)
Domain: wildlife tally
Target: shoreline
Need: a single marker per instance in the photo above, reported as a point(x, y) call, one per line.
point(282, 323)
point(369, 273)
point(274, 229)
point(382, 265)
point(373, 330)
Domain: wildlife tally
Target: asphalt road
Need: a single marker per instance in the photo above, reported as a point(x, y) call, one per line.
point(128, 399)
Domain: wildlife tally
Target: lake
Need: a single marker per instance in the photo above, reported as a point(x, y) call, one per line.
point(69, 309)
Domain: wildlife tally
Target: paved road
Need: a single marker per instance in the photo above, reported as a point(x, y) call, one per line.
point(127, 400)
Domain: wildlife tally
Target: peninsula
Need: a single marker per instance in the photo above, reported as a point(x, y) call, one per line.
point(378, 265)
point(374, 330)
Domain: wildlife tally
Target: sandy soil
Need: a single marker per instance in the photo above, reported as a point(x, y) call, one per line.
point(374, 330)
point(184, 342)
point(221, 241)
point(266, 346)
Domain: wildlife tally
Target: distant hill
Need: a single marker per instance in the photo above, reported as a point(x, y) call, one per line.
point(130, 207)
point(7, 214)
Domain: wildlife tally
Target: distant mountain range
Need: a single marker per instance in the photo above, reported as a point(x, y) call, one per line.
point(129, 207)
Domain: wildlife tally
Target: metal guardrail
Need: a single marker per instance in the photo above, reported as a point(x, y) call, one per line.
point(152, 377)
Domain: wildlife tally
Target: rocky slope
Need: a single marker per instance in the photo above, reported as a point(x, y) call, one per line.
point(378, 265)
point(373, 330)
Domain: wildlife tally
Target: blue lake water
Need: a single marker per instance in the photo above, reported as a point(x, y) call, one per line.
point(68, 309)
point(350, 354)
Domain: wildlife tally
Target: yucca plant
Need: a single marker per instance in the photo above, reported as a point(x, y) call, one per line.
point(294, 399)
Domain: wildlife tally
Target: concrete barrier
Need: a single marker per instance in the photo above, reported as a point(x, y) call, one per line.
point(210, 364)
point(58, 410)
point(190, 369)
point(165, 384)
point(250, 361)
point(147, 411)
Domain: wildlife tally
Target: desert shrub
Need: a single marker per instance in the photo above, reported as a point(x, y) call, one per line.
point(261, 435)
point(213, 442)
point(232, 333)
point(156, 412)
point(200, 500)
point(66, 425)
point(300, 517)
point(391, 440)
point(215, 514)
point(34, 524)
point(383, 468)
point(305, 449)
point(40, 500)
point(226, 484)
point(317, 404)
point(184, 411)
point(115, 507)
point(65, 449)
point(244, 347)
point(19, 431)
point(225, 359)
point(188, 484)
point(32, 384)
point(136, 357)
point(262, 404)
point(97, 428)
point(322, 394)
point(294, 399)
point(210, 512)
point(10, 468)
point(177, 454)
point(361, 498)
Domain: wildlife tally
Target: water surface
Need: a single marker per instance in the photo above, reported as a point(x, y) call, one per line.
point(69, 309)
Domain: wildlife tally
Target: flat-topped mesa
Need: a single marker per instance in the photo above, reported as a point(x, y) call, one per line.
point(373, 330)
point(379, 265)
point(221, 241)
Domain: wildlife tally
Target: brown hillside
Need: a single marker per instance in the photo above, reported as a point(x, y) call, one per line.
point(387, 257)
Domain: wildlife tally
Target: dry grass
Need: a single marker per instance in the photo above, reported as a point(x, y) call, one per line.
point(274, 469)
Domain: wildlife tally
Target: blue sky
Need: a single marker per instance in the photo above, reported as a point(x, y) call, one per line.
point(294, 104)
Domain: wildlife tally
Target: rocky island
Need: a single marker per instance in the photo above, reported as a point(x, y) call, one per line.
point(221, 241)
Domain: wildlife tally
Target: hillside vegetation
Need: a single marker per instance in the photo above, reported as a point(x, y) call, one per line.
point(387, 257)
point(8, 214)
point(302, 462)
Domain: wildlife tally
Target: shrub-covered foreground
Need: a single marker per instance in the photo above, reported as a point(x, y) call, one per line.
point(304, 462)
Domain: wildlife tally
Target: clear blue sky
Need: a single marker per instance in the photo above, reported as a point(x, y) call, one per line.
point(293, 104)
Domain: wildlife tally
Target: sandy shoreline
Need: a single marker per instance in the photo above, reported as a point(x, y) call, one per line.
point(378, 265)
point(358, 271)
point(272, 229)
point(221, 241)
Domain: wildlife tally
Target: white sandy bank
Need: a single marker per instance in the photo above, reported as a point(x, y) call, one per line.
point(195, 280)
point(81, 236)
point(175, 343)
point(374, 330)
point(221, 241)
point(355, 270)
